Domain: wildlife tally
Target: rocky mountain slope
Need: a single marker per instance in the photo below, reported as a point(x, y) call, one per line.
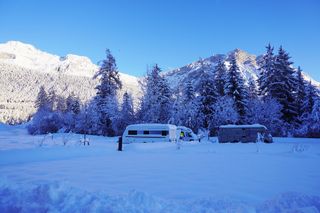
point(248, 65)
point(23, 69)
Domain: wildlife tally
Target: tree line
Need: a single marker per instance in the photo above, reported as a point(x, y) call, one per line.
point(280, 99)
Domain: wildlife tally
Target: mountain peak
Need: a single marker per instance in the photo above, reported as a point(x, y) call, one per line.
point(18, 45)
point(243, 57)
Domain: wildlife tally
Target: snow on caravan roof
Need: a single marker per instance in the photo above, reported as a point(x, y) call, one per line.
point(244, 126)
point(151, 126)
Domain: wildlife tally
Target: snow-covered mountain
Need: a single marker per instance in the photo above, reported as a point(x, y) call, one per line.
point(23, 69)
point(248, 65)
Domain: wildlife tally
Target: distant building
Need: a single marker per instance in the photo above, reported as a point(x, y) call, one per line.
point(243, 133)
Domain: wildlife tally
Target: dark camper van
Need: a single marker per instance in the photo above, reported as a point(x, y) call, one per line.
point(244, 133)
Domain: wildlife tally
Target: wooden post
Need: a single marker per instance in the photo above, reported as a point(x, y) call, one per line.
point(120, 143)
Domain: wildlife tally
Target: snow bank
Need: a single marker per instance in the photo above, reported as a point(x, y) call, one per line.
point(59, 197)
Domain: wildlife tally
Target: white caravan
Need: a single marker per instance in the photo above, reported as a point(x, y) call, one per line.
point(186, 134)
point(143, 133)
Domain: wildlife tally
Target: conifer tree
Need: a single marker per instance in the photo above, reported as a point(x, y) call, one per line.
point(315, 119)
point(42, 99)
point(224, 111)
point(309, 99)
point(267, 72)
point(207, 97)
point(106, 100)
point(283, 86)
point(73, 104)
point(301, 94)
point(189, 107)
point(252, 90)
point(52, 99)
point(236, 89)
point(127, 115)
point(188, 92)
point(156, 102)
point(220, 77)
point(165, 101)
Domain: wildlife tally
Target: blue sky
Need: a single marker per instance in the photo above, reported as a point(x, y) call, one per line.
point(171, 33)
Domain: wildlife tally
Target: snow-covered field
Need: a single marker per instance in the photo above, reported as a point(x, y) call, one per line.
point(199, 177)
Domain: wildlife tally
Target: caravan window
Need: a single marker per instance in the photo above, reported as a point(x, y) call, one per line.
point(146, 132)
point(155, 132)
point(132, 132)
point(164, 133)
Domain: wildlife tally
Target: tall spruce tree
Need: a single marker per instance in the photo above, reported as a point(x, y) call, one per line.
point(283, 86)
point(106, 100)
point(156, 102)
point(42, 99)
point(207, 97)
point(267, 72)
point(220, 77)
point(236, 89)
point(73, 104)
point(188, 92)
point(301, 94)
point(314, 129)
point(309, 99)
point(252, 89)
point(224, 111)
point(165, 101)
point(126, 115)
point(189, 107)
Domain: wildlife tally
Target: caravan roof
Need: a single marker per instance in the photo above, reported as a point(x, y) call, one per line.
point(243, 126)
point(151, 126)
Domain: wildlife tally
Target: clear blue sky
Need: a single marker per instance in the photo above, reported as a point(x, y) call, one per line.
point(171, 33)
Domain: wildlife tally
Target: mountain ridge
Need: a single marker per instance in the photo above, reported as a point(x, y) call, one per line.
point(24, 68)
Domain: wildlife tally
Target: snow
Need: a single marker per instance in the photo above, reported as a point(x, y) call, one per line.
point(24, 69)
point(156, 177)
point(151, 126)
point(242, 126)
point(29, 57)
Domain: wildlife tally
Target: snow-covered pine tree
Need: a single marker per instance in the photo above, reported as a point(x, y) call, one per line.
point(42, 99)
point(252, 89)
point(188, 92)
point(236, 89)
point(309, 98)
point(224, 111)
point(61, 104)
point(126, 116)
point(165, 101)
point(71, 114)
point(148, 106)
point(189, 108)
point(177, 111)
point(156, 102)
point(52, 99)
point(207, 97)
point(314, 130)
point(106, 100)
point(73, 104)
point(253, 100)
point(220, 77)
point(301, 94)
point(283, 86)
point(267, 71)
point(267, 111)
point(87, 119)
point(45, 120)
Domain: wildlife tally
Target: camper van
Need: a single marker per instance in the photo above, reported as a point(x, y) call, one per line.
point(244, 133)
point(143, 133)
point(186, 134)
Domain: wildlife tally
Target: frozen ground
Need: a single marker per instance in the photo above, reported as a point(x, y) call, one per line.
point(200, 177)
